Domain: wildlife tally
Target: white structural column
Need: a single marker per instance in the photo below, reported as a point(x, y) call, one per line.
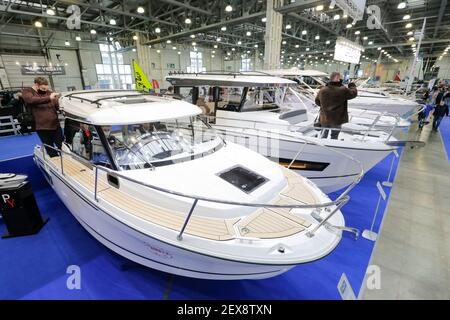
point(143, 55)
point(272, 38)
point(412, 70)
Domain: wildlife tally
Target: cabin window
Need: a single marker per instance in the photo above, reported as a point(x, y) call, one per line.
point(147, 145)
point(84, 141)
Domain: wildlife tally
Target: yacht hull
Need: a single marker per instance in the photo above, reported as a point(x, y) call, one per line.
point(127, 241)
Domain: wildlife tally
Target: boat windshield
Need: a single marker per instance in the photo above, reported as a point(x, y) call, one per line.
point(139, 146)
point(263, 98)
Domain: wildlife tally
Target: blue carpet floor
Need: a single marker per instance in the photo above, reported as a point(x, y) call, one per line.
point(35, 267)
point(444, 129)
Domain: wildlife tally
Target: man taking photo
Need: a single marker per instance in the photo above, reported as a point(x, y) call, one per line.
point(44, 106)
point(332, 100)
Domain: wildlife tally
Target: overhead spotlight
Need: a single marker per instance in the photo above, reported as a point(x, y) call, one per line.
point(179, 52)
point(348, 26)
point(408, 25)
point(401, 5)
point(297, 46)
point(140, 10)
point(216, 46)
point(38, 24)
point(149, 45)
point(332, 4)
point(248, 33)
point(192, 36)
point(411, 39)
point(218, 39)
point(304, 32)
point(228, 8)
point(174, 48)
point(288, 26)
point(336, 17)
point(370, 43)
point(319, 7)
point(410, 33)
point(283, 42)
point(239, 43)
point(223, 28)
point(233, 49)
point(51, 11)
point(327, 42)
point(344, 16)
point(365, 38)
point(264, 19)
point(158, 51)
point(256, 46)
point(93, 31)
point(135, 37)
point(379, 48)
point(317, 37)
point(158, 30)
point(67, 43)
point(78, 38)
point(212, 56)
point(406, 17)
point(169, 41)
point(307, 49)
point(112, 22)
point(357, 32)
point(194, 43)
point(188, 21)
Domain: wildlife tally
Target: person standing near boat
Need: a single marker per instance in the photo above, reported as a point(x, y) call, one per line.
point(332, 100)
point(44, 106)
point(441, 108)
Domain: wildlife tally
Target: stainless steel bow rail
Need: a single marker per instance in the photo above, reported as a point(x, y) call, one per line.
point(338, 203)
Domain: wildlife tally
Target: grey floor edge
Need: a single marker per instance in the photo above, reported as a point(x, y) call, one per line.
point(413, 247)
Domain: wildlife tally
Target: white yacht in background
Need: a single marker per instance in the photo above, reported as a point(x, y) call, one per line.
point(366, 99)
point(251, 109)
point(308, 83)
point(151, 181)
point(11, 180)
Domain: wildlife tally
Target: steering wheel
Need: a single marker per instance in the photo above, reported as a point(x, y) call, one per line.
point(230, 107)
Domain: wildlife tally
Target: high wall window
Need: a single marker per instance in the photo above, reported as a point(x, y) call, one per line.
point(196, 62)
point(112, 73)
point(246, 64)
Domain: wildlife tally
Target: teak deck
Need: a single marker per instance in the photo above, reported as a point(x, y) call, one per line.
point(264, 223)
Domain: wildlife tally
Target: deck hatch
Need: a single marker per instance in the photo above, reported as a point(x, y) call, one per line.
point(243, 179)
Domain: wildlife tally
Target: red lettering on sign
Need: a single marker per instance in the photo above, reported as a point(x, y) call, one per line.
point(11, 202)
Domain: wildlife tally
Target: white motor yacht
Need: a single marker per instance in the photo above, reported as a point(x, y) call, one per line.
point(252, 105)
point(151, 181)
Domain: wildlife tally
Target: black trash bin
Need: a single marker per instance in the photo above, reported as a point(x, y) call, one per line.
point(20, 211)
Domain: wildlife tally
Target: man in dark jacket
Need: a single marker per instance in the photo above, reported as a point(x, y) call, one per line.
point(332, 100)
point(44, 106)
point(441, 108)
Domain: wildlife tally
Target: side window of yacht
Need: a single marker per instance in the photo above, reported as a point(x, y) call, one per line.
point(84, 141)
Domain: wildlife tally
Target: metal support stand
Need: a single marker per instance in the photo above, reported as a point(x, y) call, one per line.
point(370, 234)
point(388, 182)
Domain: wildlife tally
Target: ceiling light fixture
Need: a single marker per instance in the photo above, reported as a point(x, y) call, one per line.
point(188, 21)
point(228, 8)
point(140, 10)
point(401, 5)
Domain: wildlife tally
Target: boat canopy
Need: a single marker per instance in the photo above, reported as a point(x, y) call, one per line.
point(295, 72)
point(120, 107)
point(247, 79)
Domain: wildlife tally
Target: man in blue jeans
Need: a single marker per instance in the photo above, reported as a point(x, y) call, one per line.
point(441, 108)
